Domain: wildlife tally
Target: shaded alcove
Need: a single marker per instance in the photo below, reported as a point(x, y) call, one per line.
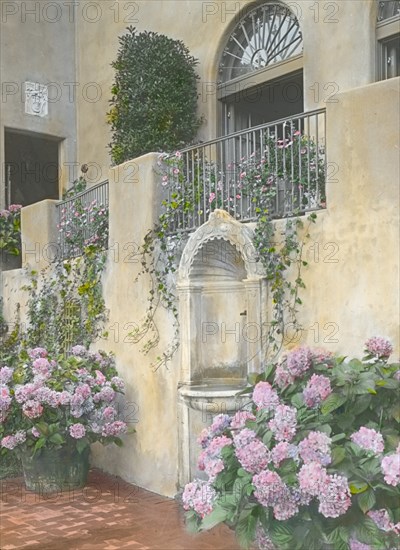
point(221, 291)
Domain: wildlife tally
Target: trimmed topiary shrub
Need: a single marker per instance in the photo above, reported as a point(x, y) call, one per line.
point(154, 96)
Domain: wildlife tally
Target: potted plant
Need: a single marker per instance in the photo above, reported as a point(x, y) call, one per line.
point(52, 409)
point(10, 237)
point(315, 460)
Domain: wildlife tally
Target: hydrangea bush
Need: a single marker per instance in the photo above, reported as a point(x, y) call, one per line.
point(47, 402)
point(315, 460)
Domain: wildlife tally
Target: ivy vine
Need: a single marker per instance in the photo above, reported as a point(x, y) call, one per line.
point(192, 196)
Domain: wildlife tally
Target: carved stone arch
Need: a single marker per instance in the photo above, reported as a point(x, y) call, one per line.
point(221, 226)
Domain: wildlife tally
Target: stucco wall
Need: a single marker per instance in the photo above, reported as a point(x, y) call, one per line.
point(352, 280)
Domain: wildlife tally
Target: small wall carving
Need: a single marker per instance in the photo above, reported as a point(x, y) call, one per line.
point(36, 99)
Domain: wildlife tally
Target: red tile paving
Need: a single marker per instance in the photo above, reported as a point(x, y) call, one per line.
point(108, 514)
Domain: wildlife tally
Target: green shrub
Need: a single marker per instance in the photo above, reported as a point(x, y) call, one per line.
point(154, 97)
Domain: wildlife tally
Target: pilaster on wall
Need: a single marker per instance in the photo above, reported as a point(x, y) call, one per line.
point(135, 200)
point(39, 234)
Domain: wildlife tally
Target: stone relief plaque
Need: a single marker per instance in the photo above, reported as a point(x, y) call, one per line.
point(36, 99)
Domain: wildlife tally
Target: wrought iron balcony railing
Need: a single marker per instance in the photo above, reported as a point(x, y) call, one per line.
point(278, 168)
point(83, 221)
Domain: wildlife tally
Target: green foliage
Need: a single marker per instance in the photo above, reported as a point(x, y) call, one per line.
point(10, 230)
point(154, 96)
point(65, 304)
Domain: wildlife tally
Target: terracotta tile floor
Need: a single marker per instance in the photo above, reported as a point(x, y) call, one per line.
point(108, 514)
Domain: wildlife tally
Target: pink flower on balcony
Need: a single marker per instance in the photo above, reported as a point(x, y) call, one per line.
point(211, 197)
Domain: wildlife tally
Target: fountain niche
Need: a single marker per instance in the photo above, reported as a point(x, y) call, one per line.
point(221, 292)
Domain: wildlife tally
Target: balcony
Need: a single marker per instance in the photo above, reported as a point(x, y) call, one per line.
point(278, 169)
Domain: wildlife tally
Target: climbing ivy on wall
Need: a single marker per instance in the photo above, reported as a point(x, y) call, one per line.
point(66, 304)
point(154, 96)
point(280, 252)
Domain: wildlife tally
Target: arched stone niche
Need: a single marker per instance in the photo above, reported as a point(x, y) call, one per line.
point(221, 293)
point(219, 288)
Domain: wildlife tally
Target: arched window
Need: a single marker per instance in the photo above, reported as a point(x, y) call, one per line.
point(260, 69)
point(388, 35)
point(267, 35)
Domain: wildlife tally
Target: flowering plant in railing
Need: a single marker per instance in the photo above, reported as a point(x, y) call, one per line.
point(10, 230)
point(287, 176)
point(315, 460)
point(50, 402)
point(195, 189)
point(84, 224)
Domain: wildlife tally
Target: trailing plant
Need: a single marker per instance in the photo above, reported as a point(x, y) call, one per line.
point(78, 186)
point(65, 304)
point(154, 96)
point(313, 461)
point(10, 230)
point(249, 190)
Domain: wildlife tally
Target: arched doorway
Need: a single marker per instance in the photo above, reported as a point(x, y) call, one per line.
point(261, 69)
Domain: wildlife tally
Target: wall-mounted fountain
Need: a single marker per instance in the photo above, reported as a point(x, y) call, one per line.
point(221, 296)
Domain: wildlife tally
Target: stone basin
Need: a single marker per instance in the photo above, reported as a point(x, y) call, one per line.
point(215, 398)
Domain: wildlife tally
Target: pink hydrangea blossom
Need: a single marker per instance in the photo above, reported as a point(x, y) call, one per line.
point(13, 208)
point(262, 539)
point(5, 400)
point(312, 478)
point(318, 388)
point(299, 361)
point(283, 377)
point(199, 496)
point(219, 424)
point(32, 408)
point(37, 352)
point(391, 468)
point(316, 448)
point(335, 499)
point(378, 346)
point(210, 459)
point(23, 393)
point(114, 429)
point(5, 375)
point(240, 418)
point(42, 366)
point(77, 431)
point(109, 413)
point(286, 507)
point(382, 519)
point(244, 437)
point(12, 441)
point(323, 356)
point(79, 351)
point(100, 378)
point(282, 451)
point(368, 439)
point(265, 397)
point(118, 383)
point(284, 423)
point(105, 394)
point(253, 457)
point(268, 488)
